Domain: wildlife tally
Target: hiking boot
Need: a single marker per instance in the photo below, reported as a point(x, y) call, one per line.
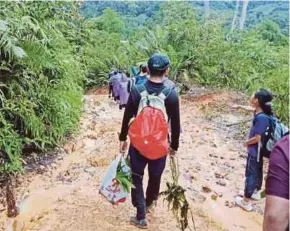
point(141, 224)
point(151, 208)
point(247, 206)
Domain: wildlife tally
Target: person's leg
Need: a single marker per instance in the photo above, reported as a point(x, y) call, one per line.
point(250, 184)
point(138, 164)
point(251, 177)
point(155, 169)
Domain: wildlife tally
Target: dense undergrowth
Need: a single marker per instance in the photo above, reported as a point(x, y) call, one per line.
point(50, 53)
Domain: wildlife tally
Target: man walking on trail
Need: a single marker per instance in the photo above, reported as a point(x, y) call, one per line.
point(146, 104)
point(276, 216)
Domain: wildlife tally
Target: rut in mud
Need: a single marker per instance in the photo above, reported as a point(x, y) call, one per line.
point(63, 195)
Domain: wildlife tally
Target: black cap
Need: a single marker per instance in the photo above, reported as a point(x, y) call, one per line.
point(159, 62)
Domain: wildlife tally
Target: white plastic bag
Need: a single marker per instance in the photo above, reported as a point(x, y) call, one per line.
point(110, 187)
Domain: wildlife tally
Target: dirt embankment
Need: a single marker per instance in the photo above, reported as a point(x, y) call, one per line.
point(62, 195)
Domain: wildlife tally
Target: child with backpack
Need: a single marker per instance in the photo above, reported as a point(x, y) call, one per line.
point(149, 108)
point(261, 106)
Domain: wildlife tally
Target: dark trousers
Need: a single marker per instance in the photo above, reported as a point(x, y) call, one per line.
point(155, 170)
point(254, 176)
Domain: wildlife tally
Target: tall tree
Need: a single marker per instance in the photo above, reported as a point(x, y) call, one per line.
point(234, 22)
point(206, 8)
point(244, 14)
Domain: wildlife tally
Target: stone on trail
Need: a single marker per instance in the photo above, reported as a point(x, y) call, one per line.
point(230, 204)
point(188, 177)
point(89, 169)
point(78, 145)
point(214, 197)
point(227, 164)
point(198, 167)
point(53, 165)
point(98, 162)
point(199, 198)
point(41, 169)
point(206, 189)
point(68, 148)
point(218, 174)
point(2, 207)
point(222, 182)
point(195, 188)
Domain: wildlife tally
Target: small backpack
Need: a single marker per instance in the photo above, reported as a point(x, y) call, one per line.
point(148, 131)
point(275, 131)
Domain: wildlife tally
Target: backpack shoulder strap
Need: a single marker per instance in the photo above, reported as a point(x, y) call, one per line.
point(142, 90)
point(165, 92)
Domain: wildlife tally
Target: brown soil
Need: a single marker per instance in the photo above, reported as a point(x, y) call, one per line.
point(63, 195)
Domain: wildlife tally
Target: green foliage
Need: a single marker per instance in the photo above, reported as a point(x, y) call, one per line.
point(49, 53)
point(41, 79)
point(110, 21)
point(136, 13)
point(209, 55)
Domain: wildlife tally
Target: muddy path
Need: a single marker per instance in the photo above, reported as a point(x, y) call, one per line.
point(63, 195)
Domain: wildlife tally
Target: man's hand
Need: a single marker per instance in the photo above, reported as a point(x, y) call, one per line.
point(123, 147)
point(172, 152)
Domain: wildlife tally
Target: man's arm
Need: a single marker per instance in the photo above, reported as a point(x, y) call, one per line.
point(276, 216)
point(174, 116)
point(130, 112)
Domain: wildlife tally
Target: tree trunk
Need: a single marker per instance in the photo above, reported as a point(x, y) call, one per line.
point(12, 210)
point(234, 22)
point(206, 8)
point(244, 14)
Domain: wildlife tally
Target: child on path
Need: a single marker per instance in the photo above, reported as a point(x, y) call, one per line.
point(261, 106)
